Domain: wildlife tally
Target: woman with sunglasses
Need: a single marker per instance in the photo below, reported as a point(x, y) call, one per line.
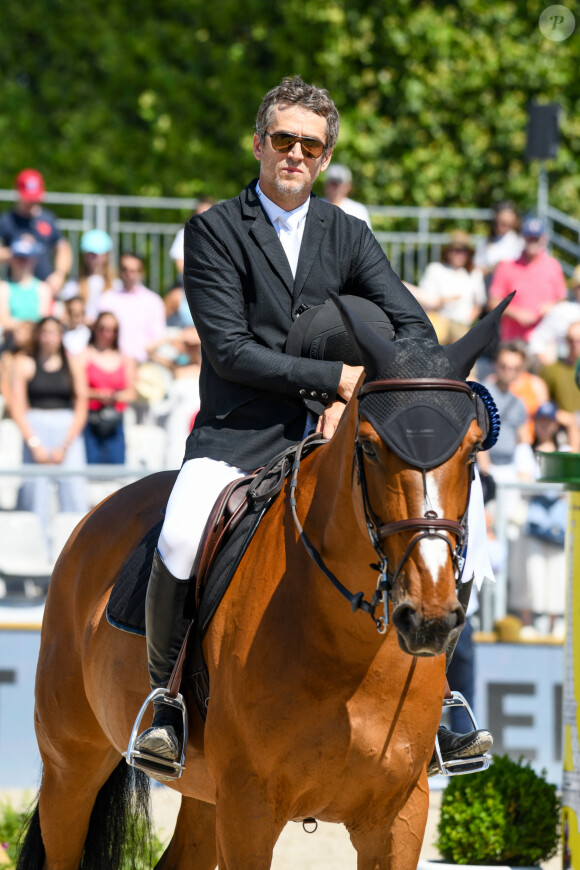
point(110, 377)
point(452, 292)
point(49, 406)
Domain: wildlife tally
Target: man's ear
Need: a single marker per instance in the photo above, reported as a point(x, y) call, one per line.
point(326, 160)
point(257, 147)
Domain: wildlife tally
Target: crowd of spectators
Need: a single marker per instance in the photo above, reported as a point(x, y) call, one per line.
point(86, 356)
point(531, 374)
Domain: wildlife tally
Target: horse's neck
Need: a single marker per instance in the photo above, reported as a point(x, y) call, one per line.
point(334, 522)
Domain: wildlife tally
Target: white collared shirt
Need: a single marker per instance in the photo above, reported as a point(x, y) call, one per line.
point(289, 226)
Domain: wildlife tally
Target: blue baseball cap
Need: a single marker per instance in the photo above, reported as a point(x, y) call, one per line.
point(548, 410)
point(96, 242)
point(26, 247)
point(533, 226)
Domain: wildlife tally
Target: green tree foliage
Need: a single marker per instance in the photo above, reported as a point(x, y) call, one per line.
point(154, 97)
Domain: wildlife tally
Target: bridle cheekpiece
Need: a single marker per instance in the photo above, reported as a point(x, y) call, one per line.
point(428, 526)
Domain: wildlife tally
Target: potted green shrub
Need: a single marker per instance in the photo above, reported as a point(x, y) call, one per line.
point(506, 816)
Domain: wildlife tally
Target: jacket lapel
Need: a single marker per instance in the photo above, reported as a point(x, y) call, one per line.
point(313, 234)
point(266, 237)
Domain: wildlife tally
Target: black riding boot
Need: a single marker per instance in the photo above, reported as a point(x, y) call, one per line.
point(454, 746)
point(165, 630)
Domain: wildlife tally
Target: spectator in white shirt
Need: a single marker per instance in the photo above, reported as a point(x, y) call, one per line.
point(547, 341)
point(337, 186)
point(504, 241)
point(452, 292)
point(96, 272)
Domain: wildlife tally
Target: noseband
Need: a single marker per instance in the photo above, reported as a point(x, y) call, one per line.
point(429, 526)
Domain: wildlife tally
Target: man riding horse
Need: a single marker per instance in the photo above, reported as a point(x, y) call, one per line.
point(253, 265)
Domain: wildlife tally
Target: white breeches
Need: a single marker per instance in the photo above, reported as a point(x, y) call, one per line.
point(200, 482)
point(194, 493)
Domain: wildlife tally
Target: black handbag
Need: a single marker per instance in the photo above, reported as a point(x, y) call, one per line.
point(105, 421)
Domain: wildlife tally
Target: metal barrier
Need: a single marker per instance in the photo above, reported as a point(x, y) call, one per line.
point(411, 236)
point(493, 597)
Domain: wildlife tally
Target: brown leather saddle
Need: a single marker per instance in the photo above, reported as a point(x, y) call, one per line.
point(255, 491)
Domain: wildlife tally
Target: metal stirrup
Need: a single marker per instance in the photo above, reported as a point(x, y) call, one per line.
point(146, 761)
point(458, 766)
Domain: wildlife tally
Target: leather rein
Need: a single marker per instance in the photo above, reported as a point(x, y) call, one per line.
point(428, 526)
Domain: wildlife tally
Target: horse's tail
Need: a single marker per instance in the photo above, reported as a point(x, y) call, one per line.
point(31, 855)
point(119, 828)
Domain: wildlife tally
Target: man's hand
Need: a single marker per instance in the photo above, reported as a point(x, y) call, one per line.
point(348, 380)
point(330, 418)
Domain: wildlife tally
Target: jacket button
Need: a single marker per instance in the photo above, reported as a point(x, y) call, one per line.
point(302, 392)
point(324, 396)
point(313, 394)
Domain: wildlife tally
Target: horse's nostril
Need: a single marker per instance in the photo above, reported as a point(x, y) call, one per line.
point(406, 619)
point(459, 614)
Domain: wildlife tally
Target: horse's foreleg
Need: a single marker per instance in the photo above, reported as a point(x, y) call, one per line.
point(193, 845)
point(246, 825)
point(395, 845)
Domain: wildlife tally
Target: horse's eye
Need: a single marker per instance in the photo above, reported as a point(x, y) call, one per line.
point(368, 448)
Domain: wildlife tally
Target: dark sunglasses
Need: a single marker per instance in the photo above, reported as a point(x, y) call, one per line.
point(460, 250)
point(284, 142)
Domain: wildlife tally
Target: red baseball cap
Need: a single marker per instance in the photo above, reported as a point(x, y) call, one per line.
point(30, 185)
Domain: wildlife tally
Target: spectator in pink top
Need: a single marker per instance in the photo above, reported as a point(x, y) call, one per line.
point(537, 279)
point(140, 311)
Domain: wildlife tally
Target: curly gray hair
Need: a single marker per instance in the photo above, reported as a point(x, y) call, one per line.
point(292, 90)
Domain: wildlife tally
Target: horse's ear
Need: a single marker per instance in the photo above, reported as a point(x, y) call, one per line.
point(376, 352)
point(463, 353)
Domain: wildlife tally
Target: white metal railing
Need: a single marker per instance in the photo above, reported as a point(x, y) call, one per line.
point(493, 597)
point(411, 236)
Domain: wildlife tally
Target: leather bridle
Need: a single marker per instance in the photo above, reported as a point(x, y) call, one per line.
point(428, 526)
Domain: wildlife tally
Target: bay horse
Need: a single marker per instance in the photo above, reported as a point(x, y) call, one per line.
point(313, 712)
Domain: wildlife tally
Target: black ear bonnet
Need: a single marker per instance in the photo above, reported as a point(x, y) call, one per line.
point(423, 427)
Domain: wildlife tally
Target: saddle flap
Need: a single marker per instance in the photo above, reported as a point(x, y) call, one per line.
point(231, 505)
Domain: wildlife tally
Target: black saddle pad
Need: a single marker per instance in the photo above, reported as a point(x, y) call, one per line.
point(126, 607)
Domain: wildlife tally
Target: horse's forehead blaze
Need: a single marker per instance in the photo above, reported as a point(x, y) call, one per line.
point(434, 552)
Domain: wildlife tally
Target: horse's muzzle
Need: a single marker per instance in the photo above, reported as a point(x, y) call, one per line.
point(422, 636)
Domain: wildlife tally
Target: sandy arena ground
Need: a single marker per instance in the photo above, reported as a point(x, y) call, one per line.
point(327, 849)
